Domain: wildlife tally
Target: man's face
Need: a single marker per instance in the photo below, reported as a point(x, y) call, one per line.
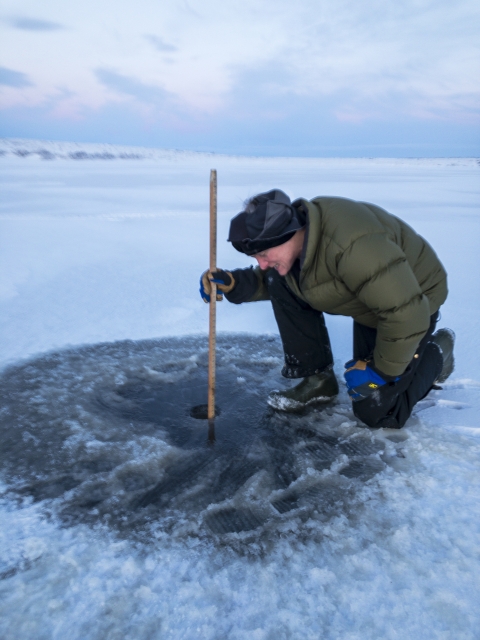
point(280, 258)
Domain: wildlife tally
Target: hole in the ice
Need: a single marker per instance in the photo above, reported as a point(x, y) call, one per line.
point(200, 411)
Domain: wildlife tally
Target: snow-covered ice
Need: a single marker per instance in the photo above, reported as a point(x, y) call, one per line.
point(116, 524)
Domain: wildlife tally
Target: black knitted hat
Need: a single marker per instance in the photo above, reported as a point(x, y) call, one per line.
point(268, 221)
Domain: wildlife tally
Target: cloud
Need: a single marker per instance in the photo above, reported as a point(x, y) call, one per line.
point(160, 44)
point(32, 24)
point(132, 87)
point(11, 78)
point(269, 77)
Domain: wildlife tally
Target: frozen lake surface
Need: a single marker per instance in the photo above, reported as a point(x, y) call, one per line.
point(121, 515)
point(105, 435)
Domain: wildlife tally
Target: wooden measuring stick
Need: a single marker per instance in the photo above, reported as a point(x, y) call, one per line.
point(213, 296)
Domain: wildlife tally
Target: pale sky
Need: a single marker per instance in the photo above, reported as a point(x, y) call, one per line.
point(268, 77)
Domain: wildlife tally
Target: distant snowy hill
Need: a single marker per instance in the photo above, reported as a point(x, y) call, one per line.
point(50, 150)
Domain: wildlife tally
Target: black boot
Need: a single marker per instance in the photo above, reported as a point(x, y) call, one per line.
point(319, 388)
point(445, 341)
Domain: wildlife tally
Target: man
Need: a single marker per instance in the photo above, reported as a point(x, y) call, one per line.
point(338, 256)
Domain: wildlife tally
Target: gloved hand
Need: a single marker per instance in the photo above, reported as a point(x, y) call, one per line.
point(362, 379)
point(223, 279)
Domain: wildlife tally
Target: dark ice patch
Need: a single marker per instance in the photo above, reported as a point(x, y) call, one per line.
point(233, 521)
point(104, 434)
point(330, 496)
point(364, 469)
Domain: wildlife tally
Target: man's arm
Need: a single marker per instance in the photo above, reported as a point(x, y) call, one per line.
point(249, 286)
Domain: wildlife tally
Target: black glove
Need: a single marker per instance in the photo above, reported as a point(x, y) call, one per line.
point(223, 279)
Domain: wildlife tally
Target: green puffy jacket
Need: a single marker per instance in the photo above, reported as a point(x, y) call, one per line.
point(363, 262)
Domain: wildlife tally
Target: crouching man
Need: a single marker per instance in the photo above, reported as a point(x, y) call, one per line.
point(337, 256)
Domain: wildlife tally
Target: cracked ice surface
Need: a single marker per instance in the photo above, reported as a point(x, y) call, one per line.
point(118, 520)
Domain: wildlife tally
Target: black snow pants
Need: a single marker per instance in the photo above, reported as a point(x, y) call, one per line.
point(307, 350)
